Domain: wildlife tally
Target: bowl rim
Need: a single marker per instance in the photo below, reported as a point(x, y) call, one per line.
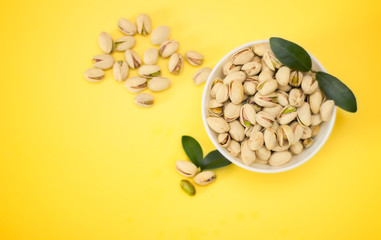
point(319, 145)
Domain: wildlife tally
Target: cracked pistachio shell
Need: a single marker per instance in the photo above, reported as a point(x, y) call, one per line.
point(218, 124)
point(326, 110)
point(132, 58)
point(296, 148)
point(205, 177)
point(243, 56)
point(214, 86)
point(234, 148)
point(264, 119)
point(274, 111)
point(160, 35)
point(270, 100)
point(236, 91)
point(271, 61)
point(194, 58)
point(263, 154)
point(283, 76)
point(231, 111)
point(307, 133)
point(185, 168)
point(251, 68)
point(240, 76)
point(255, 105)
point(176, 63)
point(229, 67)
point(158, 84)
point(222, 93)
point(280, 158)
point(144, 100)
point(215, 107)
point(126, 27)
point(247, 155)
point(120, 71)
point(285, 135)
point(256, 141)
point(150, 56)
point(261, 48)
point(124, 43)
point(315, 120)
point(304, 115)
point(296, 97)
point(283, 98)
point(247, 115)
point(202, 75)
point(298, 130)
point(103, 61)
point(315, 130)
point(309, 84)
point(143, 23)
point(252, 129)
point(268, 86)
point(236, 131)
point(315, 100)
point(275, 126)
point(168, 48)
point(105, 42)
point(296, 78)
point(94, 74)
point(308, 142)
point(250, 86)
point(278, 148)
point(270, 139)
point(136, 84)
point(286, 88)
point(224, 139)
point(287, 114)
point(149, 71)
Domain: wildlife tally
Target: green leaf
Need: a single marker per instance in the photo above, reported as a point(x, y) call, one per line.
point(337, 91)
point(193, 149)
point(291, 54)
point(213, 160)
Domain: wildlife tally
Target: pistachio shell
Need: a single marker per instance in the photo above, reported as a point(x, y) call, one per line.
point(264, 119)
point(247, 155)
point(120, 71)
point(215, 107)
point(252, 129)
point(205, 177)
point(251, 68)
point(168, 48)
point(308, 142)
point(236, 131)
point(261, 48)
point(160, 35)
point(126, 27)
point(150, 56)
point(176, 63)
point(296, 148)
point(213, 87)
point(229, 67)
point(243, 56)
point(297, 130)
point(287, 114)
point(285, 135)
point(296, 78)
point(234, 148)
point(309, 85)
point(185, 168)
point(274, 111)
point(144, 100)
point(236, 91)
point(124, 43)
point(315, 100)
point(283, 76)
point(158, 84)
point(307, 133)
point(268, 86)
point(296, 97)
point(194, 58)
point(270, 100)
point(271, 61)
point(256, 141)
point(270, 138)
point(132, 58)
point(136, 84)
point(315, 130)
point(143, 23)
point(149, 71)
point(231, 111)
point(218, 124)
point(105, 42)
point(103, 61)
point(326, 110)
point(280, 158)
point(247, 115)
point(263, 154)
point(224, 139)
point(304, 115)
point(202, 75)
point(222, 93)
point(240, 76)
point(315, 120)
point(286, 88)
point(94, 74)
point(282, 98)
point(250, 86)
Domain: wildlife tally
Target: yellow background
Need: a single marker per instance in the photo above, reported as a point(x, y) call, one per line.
point(80, 161)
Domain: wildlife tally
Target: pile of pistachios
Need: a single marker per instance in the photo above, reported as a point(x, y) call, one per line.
point(263, 111)
point(149, 73)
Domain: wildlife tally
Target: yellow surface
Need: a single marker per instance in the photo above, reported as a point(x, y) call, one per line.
point(81, 161)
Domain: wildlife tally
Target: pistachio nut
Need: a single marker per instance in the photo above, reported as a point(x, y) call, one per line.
point(120, 71)
point(257, 59)
point(236, 131)
point(136, 84)
point(258, 161)
point(94, 74)
point(261, 48)
point(286, 88)
point(307, 133)
point(103, 61)
point(297, 130)
point(231, 111)
point(187, 187)
point(240, 76)
point(214, 86)
point(236, 91)
point(252, 129)
point(270, 100)
point(296, 148)
point(105, 42)
point(132, 58)
point(264, 119)
point(309, 84)
point(224, 139)
point(185, 168)
point(194, 58)
point(283, 98)
point(296, 97)
point(218, 124)
point(143, 23)
point(247, 155)
point(250, 87)
point(304, 115)
point(326, 110)
point(278, 148)
point(315, 120)
point(263, 154)
point(256, 141)
point(271, 61)
point(296, 78)
point(283, 76)
point(243, 56)
point(222, 93)
point(126, 27)
point(168, 48)
point(158, 84)
point(315, 100)
point(255, 105)
point(149, 71)
point(202, 75)
point(285, 135)
point(274, 111)
point(251, 68)
point(308, 142)
point(315, 130)
point(205, 177)
point(270, 138)
point(234, 148)
point(247, 115)
point(229, 67)
point(268, 86)
point(160, 35)
point(144, 100)
point(287, 114)
point(150, 56)
point(124, 43)
point(215, 107)
point(280, 158)
point(275, 126)
point(176, 63)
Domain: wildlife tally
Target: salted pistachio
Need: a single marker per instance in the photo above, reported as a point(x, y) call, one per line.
point(285, 135)
point(236, 91)
point(271, 61)
point(251, 68)
point(160, 35)
point(315, 100)
point(256, 141)
point(120, 71)
point(224, 139)
point(274, 111)
point(307, 133)
point(296, 78)
point(124, 43)
point(263, 154)
point(168, 48)
point(202, 75)
point(315, 130)
point(243, 56)
point(304, 115)
point(187, 187)
point(229, 67)
point(315, 120)
point(261, 48)
point(132, 58)
point(240, 76)
point(268, 86)
point(158, 84)
point(231, 111)
point(308, 142)
point(194, 58)
point(236, 131)
point(270, 100)
point(218, 124)
point(296, 148)
point(103, 61)
point(264, 119)
point(247, 115)
point(105, 42)
point(283, 76)
point(149, 71)
point(215, 107)
point(144, 100)
point(205, 177)
point(250, 87)
point(234, 148)
point(94, 74)
point(326, 110)
point(309, 84)
point(270, 138)
point(296, 97)
point(286, 88)
point(247, 155)
point(214, 86)
point(287, 114)
point(185, 168)
point(143, 23)
point(297, 130)
point(150, 56)
point(126, 27)
point(222, 93)
point(176, 63)
point(280, 158)
point(283, 98)
point(136, 84)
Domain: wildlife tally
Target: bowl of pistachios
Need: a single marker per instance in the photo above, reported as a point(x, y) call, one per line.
point(265, 116)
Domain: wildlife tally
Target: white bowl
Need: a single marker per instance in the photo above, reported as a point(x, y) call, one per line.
point(297, 160)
